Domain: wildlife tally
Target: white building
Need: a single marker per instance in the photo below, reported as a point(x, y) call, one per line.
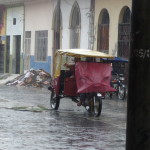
point(42, 26)
point(15, 32)
point(50, 25)
point(38, 34)
point(75, 23)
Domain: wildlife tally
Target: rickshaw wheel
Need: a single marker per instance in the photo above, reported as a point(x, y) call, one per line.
point(121, 93)
point(54, 100)
point(97, 103)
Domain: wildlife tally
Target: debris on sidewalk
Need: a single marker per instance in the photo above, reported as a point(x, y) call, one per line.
point(6, 77)
point(34, 78)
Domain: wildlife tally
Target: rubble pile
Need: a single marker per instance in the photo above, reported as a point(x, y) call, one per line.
point(34, 78)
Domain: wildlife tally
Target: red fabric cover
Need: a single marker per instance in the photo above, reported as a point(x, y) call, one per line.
point(93, 77)
point(70, 87)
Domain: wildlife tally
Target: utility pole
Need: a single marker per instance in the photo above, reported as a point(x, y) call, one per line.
point(138, 108)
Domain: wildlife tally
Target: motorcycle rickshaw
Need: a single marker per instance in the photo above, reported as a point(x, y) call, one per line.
point(90, 79)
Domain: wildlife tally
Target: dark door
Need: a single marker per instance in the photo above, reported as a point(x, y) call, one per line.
point(16, 54)
point(1, 58)
point(7, 53)
point(18, 47)
point(104, 38)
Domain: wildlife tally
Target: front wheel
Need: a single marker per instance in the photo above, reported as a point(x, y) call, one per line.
point(54, 100)
point(121, 93)
point(97, 103)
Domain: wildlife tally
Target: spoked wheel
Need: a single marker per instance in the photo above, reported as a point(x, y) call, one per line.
point(97, 101)
point(54, 100)
point(121, 93)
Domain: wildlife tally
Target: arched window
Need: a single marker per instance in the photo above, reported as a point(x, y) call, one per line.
point(124, 33)
point(103, 32)
point(57, 25)
point(75, 25)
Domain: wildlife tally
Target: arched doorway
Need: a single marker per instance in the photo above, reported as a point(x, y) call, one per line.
point(57, 25)
point(103, 32)
point(75, 26)
point(124, 28)
point(124, 33)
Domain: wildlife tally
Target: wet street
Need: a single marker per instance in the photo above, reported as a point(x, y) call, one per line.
point(28, 123)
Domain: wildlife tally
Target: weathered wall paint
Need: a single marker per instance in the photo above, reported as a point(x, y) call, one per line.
point(38, 16)
point(11, 65)
point(13, 30)
point(41, 65)
point(66, 8)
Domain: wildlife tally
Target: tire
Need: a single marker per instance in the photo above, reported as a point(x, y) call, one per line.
point(112, 94)
point(54, 100)
point(121, 93)
point(97, 106)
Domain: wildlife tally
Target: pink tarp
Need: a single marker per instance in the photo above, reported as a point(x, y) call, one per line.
point(93, 77)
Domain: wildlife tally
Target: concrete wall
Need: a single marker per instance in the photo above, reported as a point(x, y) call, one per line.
point(38, 16)
point(66, 7)
point(114, 8)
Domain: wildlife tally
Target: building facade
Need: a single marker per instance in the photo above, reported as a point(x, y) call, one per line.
point(36, 28)
point(38, 34)
point(15, 38)
point(51, 25)
point(112, 27)
point(112, 31)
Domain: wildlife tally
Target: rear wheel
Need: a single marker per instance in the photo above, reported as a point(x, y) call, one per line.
point(54, 100)
point(97, 105)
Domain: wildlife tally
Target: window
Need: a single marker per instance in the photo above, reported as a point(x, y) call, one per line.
point(14, 21)
point(41, 45)
point(103, 32)
point(75, 26)
point(124, 35)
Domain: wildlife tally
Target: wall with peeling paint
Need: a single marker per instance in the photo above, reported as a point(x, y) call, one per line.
point(114, 8)
point(38, 17)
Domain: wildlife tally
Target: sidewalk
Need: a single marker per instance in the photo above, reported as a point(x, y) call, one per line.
point(5, 77)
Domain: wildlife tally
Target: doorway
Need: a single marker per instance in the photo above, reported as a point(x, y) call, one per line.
point(16, 54)
point(7, 53)
point(1, 58)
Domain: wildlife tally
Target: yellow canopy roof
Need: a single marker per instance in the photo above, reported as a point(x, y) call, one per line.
point(83, 53)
